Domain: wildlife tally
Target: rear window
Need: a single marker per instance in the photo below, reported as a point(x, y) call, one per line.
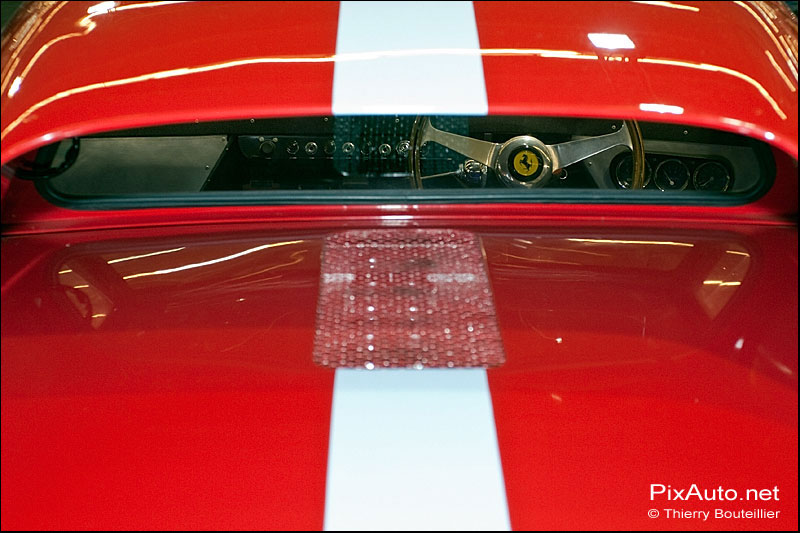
point(346, 159)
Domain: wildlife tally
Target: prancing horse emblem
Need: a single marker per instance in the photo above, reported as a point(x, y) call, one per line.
point(526, 163)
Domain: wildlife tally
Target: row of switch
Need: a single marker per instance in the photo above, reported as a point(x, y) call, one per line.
point(268, 147)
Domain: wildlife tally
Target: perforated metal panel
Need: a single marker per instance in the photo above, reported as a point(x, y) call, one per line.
point(405, 298)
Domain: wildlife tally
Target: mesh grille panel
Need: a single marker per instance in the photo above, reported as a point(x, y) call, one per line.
point(405, 298)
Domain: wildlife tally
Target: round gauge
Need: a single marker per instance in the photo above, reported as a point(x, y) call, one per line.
point(672, 175)
point(623, 172)
point(711, 176)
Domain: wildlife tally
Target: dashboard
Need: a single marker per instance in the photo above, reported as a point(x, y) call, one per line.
point(515, 153)
point(374, 152)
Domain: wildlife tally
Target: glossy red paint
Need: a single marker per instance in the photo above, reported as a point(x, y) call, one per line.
point(147, 69)
point(687, 57)
point(148, 63)
point(143, 404)
point(51, 37)
point(229, 425)
point(626, 367)
point(189, 399)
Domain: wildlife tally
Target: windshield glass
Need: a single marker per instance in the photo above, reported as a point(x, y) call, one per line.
point(368, 158)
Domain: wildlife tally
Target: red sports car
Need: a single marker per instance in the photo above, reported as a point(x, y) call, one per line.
point(399, 265)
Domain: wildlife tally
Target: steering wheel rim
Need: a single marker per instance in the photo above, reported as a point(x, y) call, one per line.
point(413, 153)
point(422, 124)
point(637, 150)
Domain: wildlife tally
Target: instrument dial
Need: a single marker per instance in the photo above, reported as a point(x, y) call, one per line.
point(672, 175)
point(711, 176)
point(623, 172)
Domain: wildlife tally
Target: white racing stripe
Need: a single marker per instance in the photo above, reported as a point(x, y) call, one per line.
point(408, 58)
point(414, 450)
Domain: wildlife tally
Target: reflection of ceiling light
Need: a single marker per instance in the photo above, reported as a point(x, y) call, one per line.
point(671, 5)
point(14, 86)
point(121, 259)
point(611, 41)
point(723, 70)
point(102, 7)
point(619, 241)
point(211, 261)
point(662, 108)
point(722, 283)
point(783, 368)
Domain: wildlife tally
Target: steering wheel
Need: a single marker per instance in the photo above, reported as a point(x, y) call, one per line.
point(522, 161)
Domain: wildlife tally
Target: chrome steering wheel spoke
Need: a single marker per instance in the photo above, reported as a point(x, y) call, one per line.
point(481, 151)
point(570, 152)
point(523, 161)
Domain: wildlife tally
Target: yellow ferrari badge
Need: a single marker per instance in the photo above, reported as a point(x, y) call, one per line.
point(526, 163)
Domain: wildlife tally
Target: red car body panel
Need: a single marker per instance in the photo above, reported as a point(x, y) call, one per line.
point(191, 399)
point(697, 62)
point(195, 403)
point(147, 86)
point(196, 431)
point(139, 74)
